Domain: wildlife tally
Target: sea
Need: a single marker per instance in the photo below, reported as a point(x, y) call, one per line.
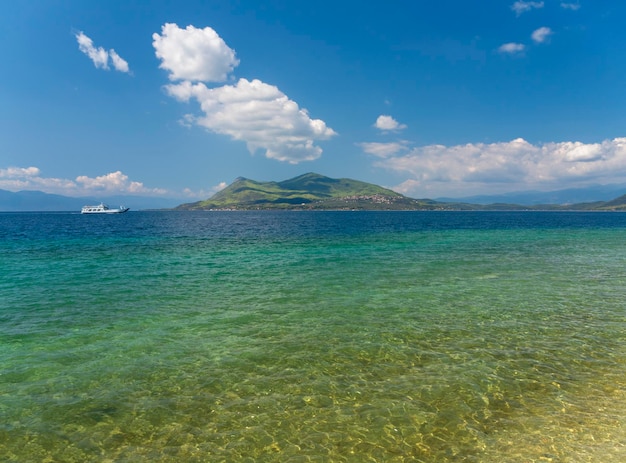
point(293, 336)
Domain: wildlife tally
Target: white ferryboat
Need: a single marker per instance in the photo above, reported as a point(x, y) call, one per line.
point(102, 209)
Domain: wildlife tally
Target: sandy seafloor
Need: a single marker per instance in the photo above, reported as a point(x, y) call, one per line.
point(313, 336)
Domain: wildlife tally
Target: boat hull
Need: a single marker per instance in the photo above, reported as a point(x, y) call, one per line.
point(103, 209)
point(114, 211)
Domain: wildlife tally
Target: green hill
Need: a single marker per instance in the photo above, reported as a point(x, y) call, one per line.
point(617, 204)
point(316, 192)
point(308, 191)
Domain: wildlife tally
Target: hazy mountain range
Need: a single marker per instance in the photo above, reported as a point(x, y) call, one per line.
point(316, 192)
point(529, 198)
point(26, 201)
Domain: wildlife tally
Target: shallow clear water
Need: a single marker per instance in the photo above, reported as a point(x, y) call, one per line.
point(292, 337)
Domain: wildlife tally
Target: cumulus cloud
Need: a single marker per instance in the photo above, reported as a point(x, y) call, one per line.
point(388, 123)
point(99, 56)
point(19, 172)
point(115, 182)
point(505, 166)
point(570, 6)
point(194, 54)
point(251, 111)
point(258, 114)
point(541, 35)
point(522, 7)
point(512, 48)
point(30, 178)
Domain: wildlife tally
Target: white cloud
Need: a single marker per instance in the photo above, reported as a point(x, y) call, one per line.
point(522, 7)
point(115, 182)
point(19, 172)
point(259, 114)
point(119, 63)
point(541, 35)
point(384, 150)
point(99, 56)
point(30, 178)
point(511, 48)
point(570, 6)
point(409, 187)
point(203, 194)
point(436, 170)
point(254, 112)
point(388, 123)
point(194, 54)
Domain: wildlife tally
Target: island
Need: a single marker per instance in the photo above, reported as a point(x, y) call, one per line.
point(313, 191)
point(310, 191)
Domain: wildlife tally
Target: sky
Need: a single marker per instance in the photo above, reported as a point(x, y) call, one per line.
point(450, 98)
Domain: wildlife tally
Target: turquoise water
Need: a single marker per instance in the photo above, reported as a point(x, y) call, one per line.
point(323, 337)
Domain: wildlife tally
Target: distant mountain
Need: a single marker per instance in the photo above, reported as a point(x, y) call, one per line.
point(308, 191)
point(617, 204)
point(315, 192)
point(36, 201)
point(532, 198)
point(26, 201)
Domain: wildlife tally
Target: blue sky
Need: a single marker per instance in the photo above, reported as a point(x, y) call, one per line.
point(177, 99)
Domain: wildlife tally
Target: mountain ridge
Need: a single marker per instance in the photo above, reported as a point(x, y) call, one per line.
point(589, 194)
point(315, 191)
point(307, 191)
point(38, 201)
